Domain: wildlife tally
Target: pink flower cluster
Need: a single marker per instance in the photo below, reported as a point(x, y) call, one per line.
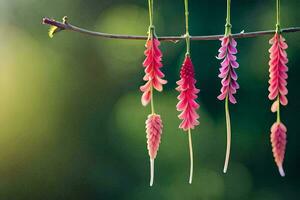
point(278, 140)
point(278, 71)
point(154, 130)
point(153, 74)
point(187, 96)
point(227, 70)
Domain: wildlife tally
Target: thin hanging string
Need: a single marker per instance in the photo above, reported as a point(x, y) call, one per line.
point(278, 16)
point(227, 113)
point(187, 34)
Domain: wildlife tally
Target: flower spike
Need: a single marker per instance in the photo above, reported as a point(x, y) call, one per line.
point(278, 141)
point(227, 70)
point(154, 79)
point(153, 74)
point(278, 91)
point(229, 77)
point(187, 102)
point(188, 92)
point(154, 130)
point(229, 83)
point(278, 71)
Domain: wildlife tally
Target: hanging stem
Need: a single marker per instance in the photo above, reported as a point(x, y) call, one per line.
point(228, 127)
point(151, 171)
point(228, 24)
point(187, 34)
point(278, 110)
point(152, 102)
point(191, 156)
point(278, 16)
point(150, 5)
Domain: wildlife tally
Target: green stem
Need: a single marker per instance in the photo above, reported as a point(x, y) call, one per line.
point(278, 110)
point(278, 16)
point(150, 5)
point(228, 127)
point(152, 102)
point(187, 34)
point(228, 24)
point(191, 156)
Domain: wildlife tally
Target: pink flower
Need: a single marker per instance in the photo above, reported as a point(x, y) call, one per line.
point(153, 74)
point(154, 130)
point(278, 140)
point(227, 70)
point(278, 71)
point(187, 96)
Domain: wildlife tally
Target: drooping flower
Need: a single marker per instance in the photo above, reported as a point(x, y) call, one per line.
point(278, 71)
point(188, 94)
point(278, 140)
point(153, 75)
point(229, 83)
point(154, 130)
point(278, 91)
point(227, 70)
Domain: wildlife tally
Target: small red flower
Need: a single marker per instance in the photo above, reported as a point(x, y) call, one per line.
point(278, 71)
point(153, 74)
point(278, 140)
point(188, 95)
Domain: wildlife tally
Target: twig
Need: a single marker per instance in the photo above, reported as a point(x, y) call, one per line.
point(69, 27)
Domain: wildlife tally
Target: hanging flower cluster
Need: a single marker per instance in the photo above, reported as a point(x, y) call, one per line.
point(154, 130)
point(188, 94)
point(278, 91)
point(154, 80)
point(227, 70)
point(278, 71)
point(187, 104)
point(278, 140)
point(153, 74)
point(229, 78)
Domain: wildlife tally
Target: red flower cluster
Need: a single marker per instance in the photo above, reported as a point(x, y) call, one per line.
point(153, 74)
point(278, 71)
point(187, 96)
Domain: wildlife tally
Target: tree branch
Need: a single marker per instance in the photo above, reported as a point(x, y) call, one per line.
point(69, 27)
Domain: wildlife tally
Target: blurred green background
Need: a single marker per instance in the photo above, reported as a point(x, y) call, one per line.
point(71, 121)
